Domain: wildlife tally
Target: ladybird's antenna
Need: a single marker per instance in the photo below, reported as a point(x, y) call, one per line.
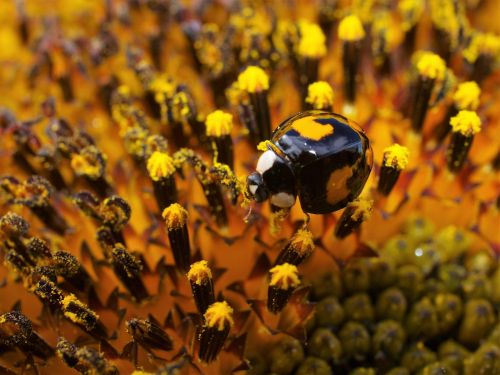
point(307, 219)
point(249, 213)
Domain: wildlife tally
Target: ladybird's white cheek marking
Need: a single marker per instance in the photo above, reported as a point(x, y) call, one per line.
point(253, 189)
point(266, 161)
point(283, 200)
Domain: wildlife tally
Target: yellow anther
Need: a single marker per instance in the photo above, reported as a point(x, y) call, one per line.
point(284, 276)
point(445, 18)
point(199, 272)
point(386, 32)
point(431, 66)
point(72, 299)
point(180, 104)
point(363, 208)
point(219, 123)
point(320, 95)
point(253, 79)
point(312, 42)
point(396, 156)
point(467, 96)
point(160, 165)
point(162, 86)
point(351, 29)
point(302, 241)
point(218, 315)
point(83, 165)
point(466, 122)
point(175, 216)
point(411, 11)
point(482, 44)
point(123, 90)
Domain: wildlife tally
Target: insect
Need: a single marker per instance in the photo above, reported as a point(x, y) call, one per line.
point(321, 157)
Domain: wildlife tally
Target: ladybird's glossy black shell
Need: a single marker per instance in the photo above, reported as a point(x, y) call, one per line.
point(330, 156)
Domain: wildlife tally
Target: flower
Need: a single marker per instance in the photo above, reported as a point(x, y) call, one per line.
point(114, 112)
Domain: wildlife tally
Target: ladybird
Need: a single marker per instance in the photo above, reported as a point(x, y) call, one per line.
point(321, 157)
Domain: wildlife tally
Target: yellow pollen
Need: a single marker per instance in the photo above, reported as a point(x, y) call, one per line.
point(218, 314)
point(253, 79)
point(180, 104)
point(351, 29)
point(175, 216)
point(320, 95)
point(160, 165)
point(362, 208)
point(411, 11)
point(312, 43)
point(444, 17)
point(161, 85)
point(482, 44)
point(466, 122)
point(284, 276)
point(302, 241)
point(124, 90)
point(219, 123)
point(199, 272)
point(84, 167)
point(467, 96)
point(72, 299)
point(263, 146)
point(431, 66)
point(396, 156)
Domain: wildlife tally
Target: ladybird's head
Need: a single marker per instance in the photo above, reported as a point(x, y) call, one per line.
point(273, 180)
point(256, 187)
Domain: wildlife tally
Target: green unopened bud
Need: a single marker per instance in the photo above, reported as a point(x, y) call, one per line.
point(486, 360)
point(452, 353)
point(437, 368)
point(359, 308)
point(314, 366)
point(325, 345)
point(418, 230)
point(356, 276)
point(449, 309)
point(410, 281)
point(363, 371)
point(397, 249)
point(355, 341)
point(258, 366)
point(426, 257)
point(477, 323)
point(481, 262)
point(382, 273)
point(329, 313)
point(495, 293)
point(422, 321)
point(286, 356)
point(452, 242)
point(417, 357)
point(494, 336)
point(477, 285)
point(432, 287)
point(452, 276)
point(328, 284)
point(398, 371)
point(388, 339)
point(391, 304)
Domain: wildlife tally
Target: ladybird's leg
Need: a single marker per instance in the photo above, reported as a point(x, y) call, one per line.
point(278, 216)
